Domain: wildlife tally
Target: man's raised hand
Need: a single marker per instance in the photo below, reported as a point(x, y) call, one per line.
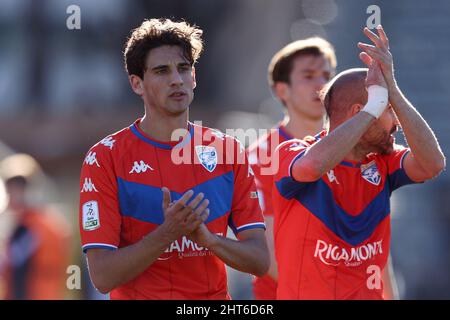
point(380, 53)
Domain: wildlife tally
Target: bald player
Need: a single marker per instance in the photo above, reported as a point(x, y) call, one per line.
point(331, 194)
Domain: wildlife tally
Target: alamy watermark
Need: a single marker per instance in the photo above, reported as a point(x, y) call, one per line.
point(375, 16)
point(73, 21)
point(212, 147)
point(73, 281)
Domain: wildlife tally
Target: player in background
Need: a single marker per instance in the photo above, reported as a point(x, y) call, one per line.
point(331, 197)
point(296, 74)
point(154, 227)
point(36, 250)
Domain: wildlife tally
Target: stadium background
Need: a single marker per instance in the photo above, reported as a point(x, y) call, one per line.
point(63, 90)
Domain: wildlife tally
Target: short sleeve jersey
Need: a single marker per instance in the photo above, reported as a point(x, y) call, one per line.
point(332, 235)
point(121, 202)
point(260, 157)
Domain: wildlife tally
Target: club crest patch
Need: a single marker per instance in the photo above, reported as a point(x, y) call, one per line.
point(370, 173)
point(207, 156)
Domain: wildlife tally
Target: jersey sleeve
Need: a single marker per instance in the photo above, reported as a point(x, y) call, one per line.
point(287, 154)
point(245, 210)
point(263, 181)
point(397, 176)
point(99, 215)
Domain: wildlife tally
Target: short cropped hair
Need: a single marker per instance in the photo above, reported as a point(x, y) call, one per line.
point(344, 90)
point(154, 33)
point(282, 62)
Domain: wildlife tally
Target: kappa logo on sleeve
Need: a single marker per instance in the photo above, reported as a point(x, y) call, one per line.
point(91, 216)
point(88, 186)
point(91, 159)
point(108, 142)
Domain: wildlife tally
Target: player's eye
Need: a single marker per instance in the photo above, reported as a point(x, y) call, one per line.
point(161, 71)
point(184, 68)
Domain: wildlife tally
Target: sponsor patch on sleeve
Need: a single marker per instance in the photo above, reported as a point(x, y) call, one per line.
point(91, 216)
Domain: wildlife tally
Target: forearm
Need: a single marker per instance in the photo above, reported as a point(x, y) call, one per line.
point(273, 269)
point(250, 255)
point(421, 139)
point(328, 152)
point(110, 269)
point(390, 290)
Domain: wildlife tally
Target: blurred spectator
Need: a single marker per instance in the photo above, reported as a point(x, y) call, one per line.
point(36, 256)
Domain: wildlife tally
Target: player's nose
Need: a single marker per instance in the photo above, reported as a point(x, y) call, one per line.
point(320, 82)
point(176, 79)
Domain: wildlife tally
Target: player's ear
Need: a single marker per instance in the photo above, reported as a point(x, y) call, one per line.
point(194, 81)
point(136, 84)
point(355, 108)
point(281, 90)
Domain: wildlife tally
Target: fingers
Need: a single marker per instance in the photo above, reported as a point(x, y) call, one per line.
point(375, 56)
point(195, 214)
point(181, 203)
point(365, 58)
point(166, 198)
point(365, 46)
point(204, 216)
point(202, 207)
point(383, 36)
point(200, 219)
point(374, 38)
point(373, 52)
point(194, 203)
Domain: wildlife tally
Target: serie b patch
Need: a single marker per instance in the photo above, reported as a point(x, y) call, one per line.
point(91, 216)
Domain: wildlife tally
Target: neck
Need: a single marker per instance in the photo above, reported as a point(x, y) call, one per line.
point(358, 153)
point(161, 126)
point(299, 126)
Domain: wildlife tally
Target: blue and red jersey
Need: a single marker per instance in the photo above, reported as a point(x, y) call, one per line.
point(332, 235)
point(121, 202)
point(260, 157)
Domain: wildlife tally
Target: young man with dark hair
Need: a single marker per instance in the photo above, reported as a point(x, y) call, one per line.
point(331, 194)
point(154, 226)
point(296, 74)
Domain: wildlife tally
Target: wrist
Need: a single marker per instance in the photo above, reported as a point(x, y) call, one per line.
point(377, 100)
point(213, 242)
point(164, 236)
point(392, 85)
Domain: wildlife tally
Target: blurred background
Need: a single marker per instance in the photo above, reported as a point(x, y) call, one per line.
point(63, 90)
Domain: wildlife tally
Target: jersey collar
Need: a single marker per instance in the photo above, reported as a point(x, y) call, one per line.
point(161, 144)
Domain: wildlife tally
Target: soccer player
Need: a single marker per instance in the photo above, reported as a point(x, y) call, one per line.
point(154, 208)
point(296, 75)
point(331, 197)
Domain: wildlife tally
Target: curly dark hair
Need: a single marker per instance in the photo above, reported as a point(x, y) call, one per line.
point(154, 33)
